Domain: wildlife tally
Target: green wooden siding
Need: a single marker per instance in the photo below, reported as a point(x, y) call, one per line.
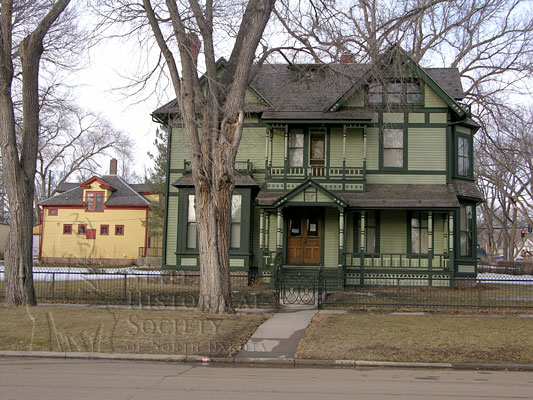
point(463, 129)
point(354, 148)
point(252, 146)
point(172, 230)
point(399, 178)
point(278, 148)
point(393, 118)
point(336, 144)
point(432, 99)
point(427, 149)
point(438, 233)
point(417, 118)
point(180, 148)
point(393, 232)
point(438, 118)
point(372, 149)
point(272, 232)
point(349, 231)
point(331, 237)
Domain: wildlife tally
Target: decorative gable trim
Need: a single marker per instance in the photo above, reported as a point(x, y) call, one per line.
point(450, 101)
point(304, 187)
point(103, 184)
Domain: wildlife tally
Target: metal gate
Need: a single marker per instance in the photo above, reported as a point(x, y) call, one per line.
point(298, 289)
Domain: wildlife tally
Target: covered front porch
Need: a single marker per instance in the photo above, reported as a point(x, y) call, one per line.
point(311, 228)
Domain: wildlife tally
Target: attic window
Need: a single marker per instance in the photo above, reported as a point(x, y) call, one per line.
point(395, 92)
point(95, 201)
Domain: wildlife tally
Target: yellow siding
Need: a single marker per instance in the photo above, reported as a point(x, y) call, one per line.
point(432, 99)
point(393, 232)
point(331, 238)
point(372, 149)
point(427, 149)
point(154, 198)
point(391, 118)
point(414, 179)
point(55, 244)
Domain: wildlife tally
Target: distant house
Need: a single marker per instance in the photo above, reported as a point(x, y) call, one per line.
point(4, 230)
point(100, 221)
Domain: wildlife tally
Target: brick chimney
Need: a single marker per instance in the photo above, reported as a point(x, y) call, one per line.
point(113, 166)
point(347, 58)
point(194, 45)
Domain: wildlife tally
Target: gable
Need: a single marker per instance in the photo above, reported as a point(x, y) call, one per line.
point(310, 193)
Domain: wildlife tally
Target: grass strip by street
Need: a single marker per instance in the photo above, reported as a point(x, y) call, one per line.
point(125, 330)
point(426, 338)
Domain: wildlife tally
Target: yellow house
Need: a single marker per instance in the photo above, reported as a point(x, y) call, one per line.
point(103, 220)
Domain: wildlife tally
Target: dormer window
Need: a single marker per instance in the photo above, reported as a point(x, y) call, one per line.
point(395, 92)
point(95, 201)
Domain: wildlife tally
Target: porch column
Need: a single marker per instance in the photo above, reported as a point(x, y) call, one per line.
point(286, 156)
point(430, 239)
point(450, 239)
point(270, 137)
point(279, 236)
point(261, 229)
point(267, 232)
point(364, 146)
point(341, 238)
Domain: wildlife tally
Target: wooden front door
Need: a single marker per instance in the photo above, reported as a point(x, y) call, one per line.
point(304, 237)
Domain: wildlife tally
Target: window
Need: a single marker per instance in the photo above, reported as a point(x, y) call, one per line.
point(119, 230)
point(191, 224)
point(419, 233)
point(296, 148)
point(67, 229)
point(81, 229)
point(52, 211)
point(318, 149)
point(95, 201)
point(375, 93)
point(393, 148)
point(466, 218)
point(236, 218)
point(463, 156)
point(370, 232)
point(104, 229)
point(396, 92)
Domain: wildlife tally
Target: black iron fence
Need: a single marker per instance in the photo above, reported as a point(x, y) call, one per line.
point(398, 292)
point(181, 288)
point(141, 288)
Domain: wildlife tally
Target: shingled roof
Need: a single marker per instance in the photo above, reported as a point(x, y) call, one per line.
point(290, 90)
point(123, 195)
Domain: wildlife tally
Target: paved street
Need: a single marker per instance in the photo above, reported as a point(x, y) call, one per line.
point(74, 379)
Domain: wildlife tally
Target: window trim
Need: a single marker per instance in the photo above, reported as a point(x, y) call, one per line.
point(403, 93)
point(357, 231)
point(410, 233)
point(80, 226)
point(404, 167)
point(65, 229)
point(473, 232)
point(104, 234)
point(123, 230)
point(95, 192)
point(53, 212)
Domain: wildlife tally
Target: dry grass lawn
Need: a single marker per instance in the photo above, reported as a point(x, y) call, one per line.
point(433, 338)
point(125, 330)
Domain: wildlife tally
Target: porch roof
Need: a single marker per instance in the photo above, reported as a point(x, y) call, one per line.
point(387, 196)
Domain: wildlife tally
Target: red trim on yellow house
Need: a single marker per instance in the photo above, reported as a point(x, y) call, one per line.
point(103, 185)
point(58, 206)
point(126, 207)
point(146, 233)
point(95, 196)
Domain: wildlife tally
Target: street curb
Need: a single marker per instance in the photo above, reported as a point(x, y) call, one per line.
point(262, 361)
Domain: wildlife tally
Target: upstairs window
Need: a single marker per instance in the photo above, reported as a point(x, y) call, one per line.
point(296, 148)
point(419, 233)
point(81, 229)
point(119, 230)
point(463, 156)
point(393, 148)
point(95, 201)
point(67, 229)
point(104, 229)
point(52, 211)
point(395, 92)
point(191, 224)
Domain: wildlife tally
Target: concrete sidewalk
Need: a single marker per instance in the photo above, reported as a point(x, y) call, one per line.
point(279, 336)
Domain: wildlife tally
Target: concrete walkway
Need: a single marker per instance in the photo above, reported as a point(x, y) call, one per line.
point(279, 336)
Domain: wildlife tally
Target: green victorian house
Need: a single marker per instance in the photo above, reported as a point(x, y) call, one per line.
point(365, 170)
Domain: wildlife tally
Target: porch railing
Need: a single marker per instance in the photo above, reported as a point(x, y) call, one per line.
point(398, 260)
point(317, 172)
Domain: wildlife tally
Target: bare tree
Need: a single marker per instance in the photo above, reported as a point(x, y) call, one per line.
point(180, 29)
point(21, 51)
